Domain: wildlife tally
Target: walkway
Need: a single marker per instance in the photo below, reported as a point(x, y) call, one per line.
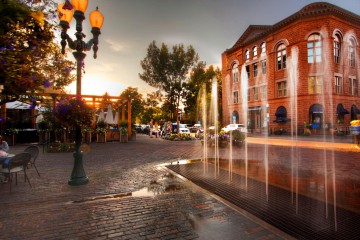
point(128, 197)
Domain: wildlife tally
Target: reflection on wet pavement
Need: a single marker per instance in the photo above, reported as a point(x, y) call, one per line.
point(302, 214)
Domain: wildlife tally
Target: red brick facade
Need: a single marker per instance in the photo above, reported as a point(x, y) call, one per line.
point(310, 39)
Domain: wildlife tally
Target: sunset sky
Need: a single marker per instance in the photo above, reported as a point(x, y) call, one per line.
point(210, 26)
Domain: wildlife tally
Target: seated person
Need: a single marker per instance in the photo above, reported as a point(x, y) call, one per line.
point(4, 148)
point(3, 145)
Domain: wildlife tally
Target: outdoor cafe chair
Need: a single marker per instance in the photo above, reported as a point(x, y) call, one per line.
point(18, 163)
point(34, 152)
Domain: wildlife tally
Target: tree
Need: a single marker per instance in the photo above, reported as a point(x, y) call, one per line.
point(167, 70)
point(137, 105)
point(30, 59)
point(199, 77)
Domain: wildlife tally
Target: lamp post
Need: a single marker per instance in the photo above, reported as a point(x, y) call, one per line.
point(65, 14)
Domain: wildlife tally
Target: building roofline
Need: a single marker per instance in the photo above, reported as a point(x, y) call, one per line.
point(310, 10)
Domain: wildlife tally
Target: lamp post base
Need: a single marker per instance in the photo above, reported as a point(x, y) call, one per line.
point(78, 176)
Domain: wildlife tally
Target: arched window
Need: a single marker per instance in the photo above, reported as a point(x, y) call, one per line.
point(247, 55)
point(337, 48)
point(263, 47)
point(281, 56)
point(352, 53)
point(314, 47)
point(254, 51)
point(235, 72)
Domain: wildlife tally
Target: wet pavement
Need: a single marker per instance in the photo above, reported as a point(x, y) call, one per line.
point(130, 196)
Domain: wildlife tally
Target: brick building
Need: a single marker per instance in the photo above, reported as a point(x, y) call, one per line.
point(303, 69)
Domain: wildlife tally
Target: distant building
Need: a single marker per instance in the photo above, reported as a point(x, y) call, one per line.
point(315, 49)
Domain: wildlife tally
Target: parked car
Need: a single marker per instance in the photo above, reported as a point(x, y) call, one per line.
point(183, 128)
point(235, 126)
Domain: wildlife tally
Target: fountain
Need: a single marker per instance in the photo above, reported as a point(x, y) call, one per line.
point(291, 187)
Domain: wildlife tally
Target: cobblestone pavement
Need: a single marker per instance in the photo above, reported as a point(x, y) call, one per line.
point(129, 196)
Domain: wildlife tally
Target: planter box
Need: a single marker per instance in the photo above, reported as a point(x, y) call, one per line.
point(112, 135)
point(124, 138)
point(354, 130)
point(101, 138)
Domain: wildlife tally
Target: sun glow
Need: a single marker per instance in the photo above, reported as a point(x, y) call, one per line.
point(95, 85)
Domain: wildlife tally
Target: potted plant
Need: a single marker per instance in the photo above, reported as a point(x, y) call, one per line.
point(101, 131)
point(123, 134)
point(355, 130)
point(222, 139)
point(87, 131)
point(238, 138)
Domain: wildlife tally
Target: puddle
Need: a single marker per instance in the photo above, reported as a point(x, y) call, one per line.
point(144, 192)
point(166, 184)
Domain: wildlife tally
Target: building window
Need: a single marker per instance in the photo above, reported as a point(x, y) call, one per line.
point(352, 53)
point(247, 55)
point(263, 92)
point(353, 86)
point(235, 73)
point(338, 85)
point(281, 56)
point(263, 66)
point(248, 71)
point(255, 69)
point(314, 48)
point(236, 97)
point(337, 49)
point(254, 52)
point(263, 48)
point(281, 89)
point(248, 95)
point(256, 93)
point(315, 84)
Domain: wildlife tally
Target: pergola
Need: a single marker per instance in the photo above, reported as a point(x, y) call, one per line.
point(96, 102)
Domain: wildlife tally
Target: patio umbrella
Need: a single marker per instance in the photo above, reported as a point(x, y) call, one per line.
point(109, 119)
point(101, 116)
point(116, 118)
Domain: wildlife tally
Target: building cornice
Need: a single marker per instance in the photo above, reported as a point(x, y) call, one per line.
point(309, 11)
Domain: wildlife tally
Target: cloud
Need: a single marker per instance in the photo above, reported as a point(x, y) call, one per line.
point(116, 46)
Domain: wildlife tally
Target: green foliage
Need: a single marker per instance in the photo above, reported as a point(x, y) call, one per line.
point(137, 105)
point(237, 135)
point(167, 70)
point(73, 112)
point(201, 80)
point(101, 127)
point(30, 58)
point(123, 131)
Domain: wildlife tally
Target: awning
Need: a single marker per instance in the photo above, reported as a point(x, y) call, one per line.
point(355, 110)
point(316, 108)
point(282, 120)
point(21, 106)
point(340, 110)
point(281, 112)
point(257, 108)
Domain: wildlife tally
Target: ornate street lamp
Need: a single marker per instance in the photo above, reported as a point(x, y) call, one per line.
point(65, 14)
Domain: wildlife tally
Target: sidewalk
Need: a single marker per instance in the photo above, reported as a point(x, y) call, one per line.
point(339, 143)
point(128, 197)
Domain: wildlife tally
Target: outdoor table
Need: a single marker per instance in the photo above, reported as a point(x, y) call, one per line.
point(10, 155)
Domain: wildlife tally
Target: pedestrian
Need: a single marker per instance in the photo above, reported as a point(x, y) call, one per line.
point(151, 127)
point(156, 129)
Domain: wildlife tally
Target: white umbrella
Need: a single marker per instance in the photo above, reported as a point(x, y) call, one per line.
point(109, 115)
point(116, 118)
point(101, 115)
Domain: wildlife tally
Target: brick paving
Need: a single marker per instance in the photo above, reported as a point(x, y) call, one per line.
point(128, 197)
